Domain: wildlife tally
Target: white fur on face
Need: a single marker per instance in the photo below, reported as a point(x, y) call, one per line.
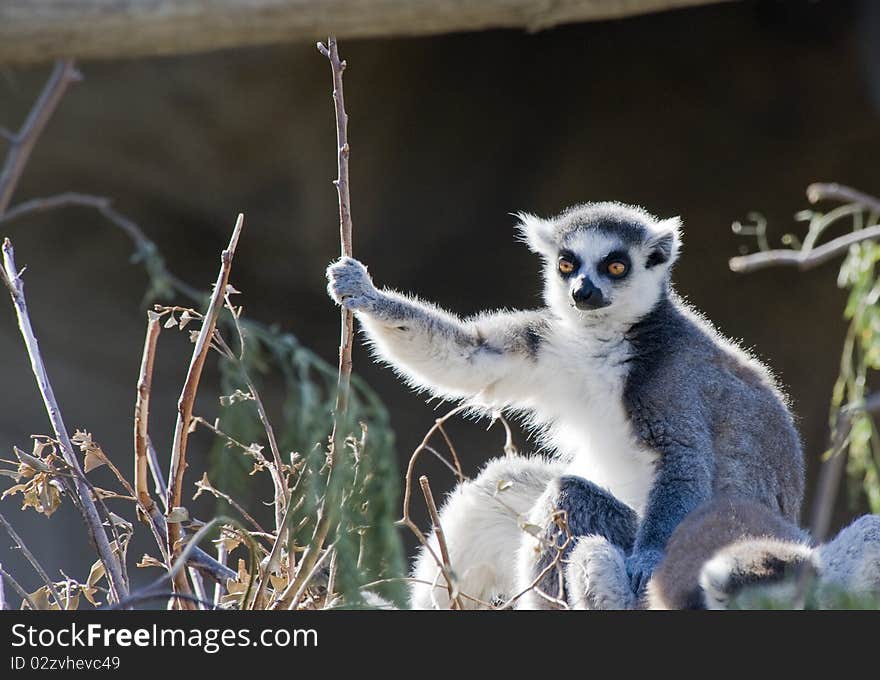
point(629, 298)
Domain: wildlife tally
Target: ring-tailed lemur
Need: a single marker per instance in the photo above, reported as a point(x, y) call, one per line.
point(732, 552)
point(631, 388)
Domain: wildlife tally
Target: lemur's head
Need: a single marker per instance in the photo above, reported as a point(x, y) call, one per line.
point(603, 260)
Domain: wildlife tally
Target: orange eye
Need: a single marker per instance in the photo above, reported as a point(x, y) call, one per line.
point(566, 266)
point(616, 268)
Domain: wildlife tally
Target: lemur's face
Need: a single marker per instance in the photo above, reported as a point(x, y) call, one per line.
point(603, 261)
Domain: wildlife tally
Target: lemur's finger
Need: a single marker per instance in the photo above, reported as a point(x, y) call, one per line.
point(356, 303)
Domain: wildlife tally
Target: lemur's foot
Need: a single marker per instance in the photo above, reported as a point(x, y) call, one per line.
point(639, 566)
point(349, 284)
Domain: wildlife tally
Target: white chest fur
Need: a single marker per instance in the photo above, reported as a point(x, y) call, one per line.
point(580, 408)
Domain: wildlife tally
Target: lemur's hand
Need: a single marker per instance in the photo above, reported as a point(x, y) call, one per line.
point(639, 566)
point(349, 284)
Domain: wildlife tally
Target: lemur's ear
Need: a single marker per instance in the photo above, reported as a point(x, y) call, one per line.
point(664, 245)
point(535, 232)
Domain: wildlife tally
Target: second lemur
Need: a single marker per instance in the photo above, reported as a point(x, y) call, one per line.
point(630, 388)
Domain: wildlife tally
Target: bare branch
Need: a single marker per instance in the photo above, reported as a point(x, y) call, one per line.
point(803, 259)
point(142, 415)
point(80, 486)
point(33, 560)
point(276, 466)
point(160, 486)
point(16, 586)
point(337, 66)
point(441, 540)
point(838, 192)
point(187, 398)
point(343, 383)
point(22, 144)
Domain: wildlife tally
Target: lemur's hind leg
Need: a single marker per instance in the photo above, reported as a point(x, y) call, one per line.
point(570, 507)
point(482, 522)
point(596, 576)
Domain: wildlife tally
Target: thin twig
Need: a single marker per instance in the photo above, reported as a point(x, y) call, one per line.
point(305, 582)
point(343, 383)
point(406, 520)
point(838, 192)
point(188, 554)
point(337, 66)
point(12, 279)
point(138, 598)
point(331, 578)
point(554, 564)
point(276, 467)
point(232, 441)
point(198, 584)
point(161, 487)
point(275, 554)
point(142, 415)
point(33, 560)
point(187, 398)
point(16, 586)
point(220, 586)
point(22, 144)
point(407, 489)
point(441, 539)
point(4, 605)
point(803, 259)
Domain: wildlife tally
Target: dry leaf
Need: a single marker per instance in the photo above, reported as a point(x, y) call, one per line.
point(149, 561)
point(236, 587)
point(42, 493)
point(41, 600)
point(204, 484)
point(89, 594)
point(104, 494)
point(279, 583)
point(185, 318)
point(229, 539)
point(94, 455)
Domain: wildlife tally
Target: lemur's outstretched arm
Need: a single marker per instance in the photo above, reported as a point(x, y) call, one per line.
point(487, 359)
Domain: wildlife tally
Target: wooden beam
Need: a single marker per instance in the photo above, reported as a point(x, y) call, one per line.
point(41, 30)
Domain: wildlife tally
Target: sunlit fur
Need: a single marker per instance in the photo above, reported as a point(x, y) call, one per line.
point(732, 552)
point(640, 396)
point(483, 521)
point(630, 298)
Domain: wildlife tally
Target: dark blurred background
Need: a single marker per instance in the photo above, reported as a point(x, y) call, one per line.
point(706, 113)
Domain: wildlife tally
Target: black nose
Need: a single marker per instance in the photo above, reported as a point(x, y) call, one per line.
point(588, 296)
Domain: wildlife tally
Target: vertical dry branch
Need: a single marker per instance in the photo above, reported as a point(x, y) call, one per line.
point(309, 560)
point(80, 487)
point(23, 142)
point(454, 600)
point(185, 407)
point(337, 66)
point(142, 416)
